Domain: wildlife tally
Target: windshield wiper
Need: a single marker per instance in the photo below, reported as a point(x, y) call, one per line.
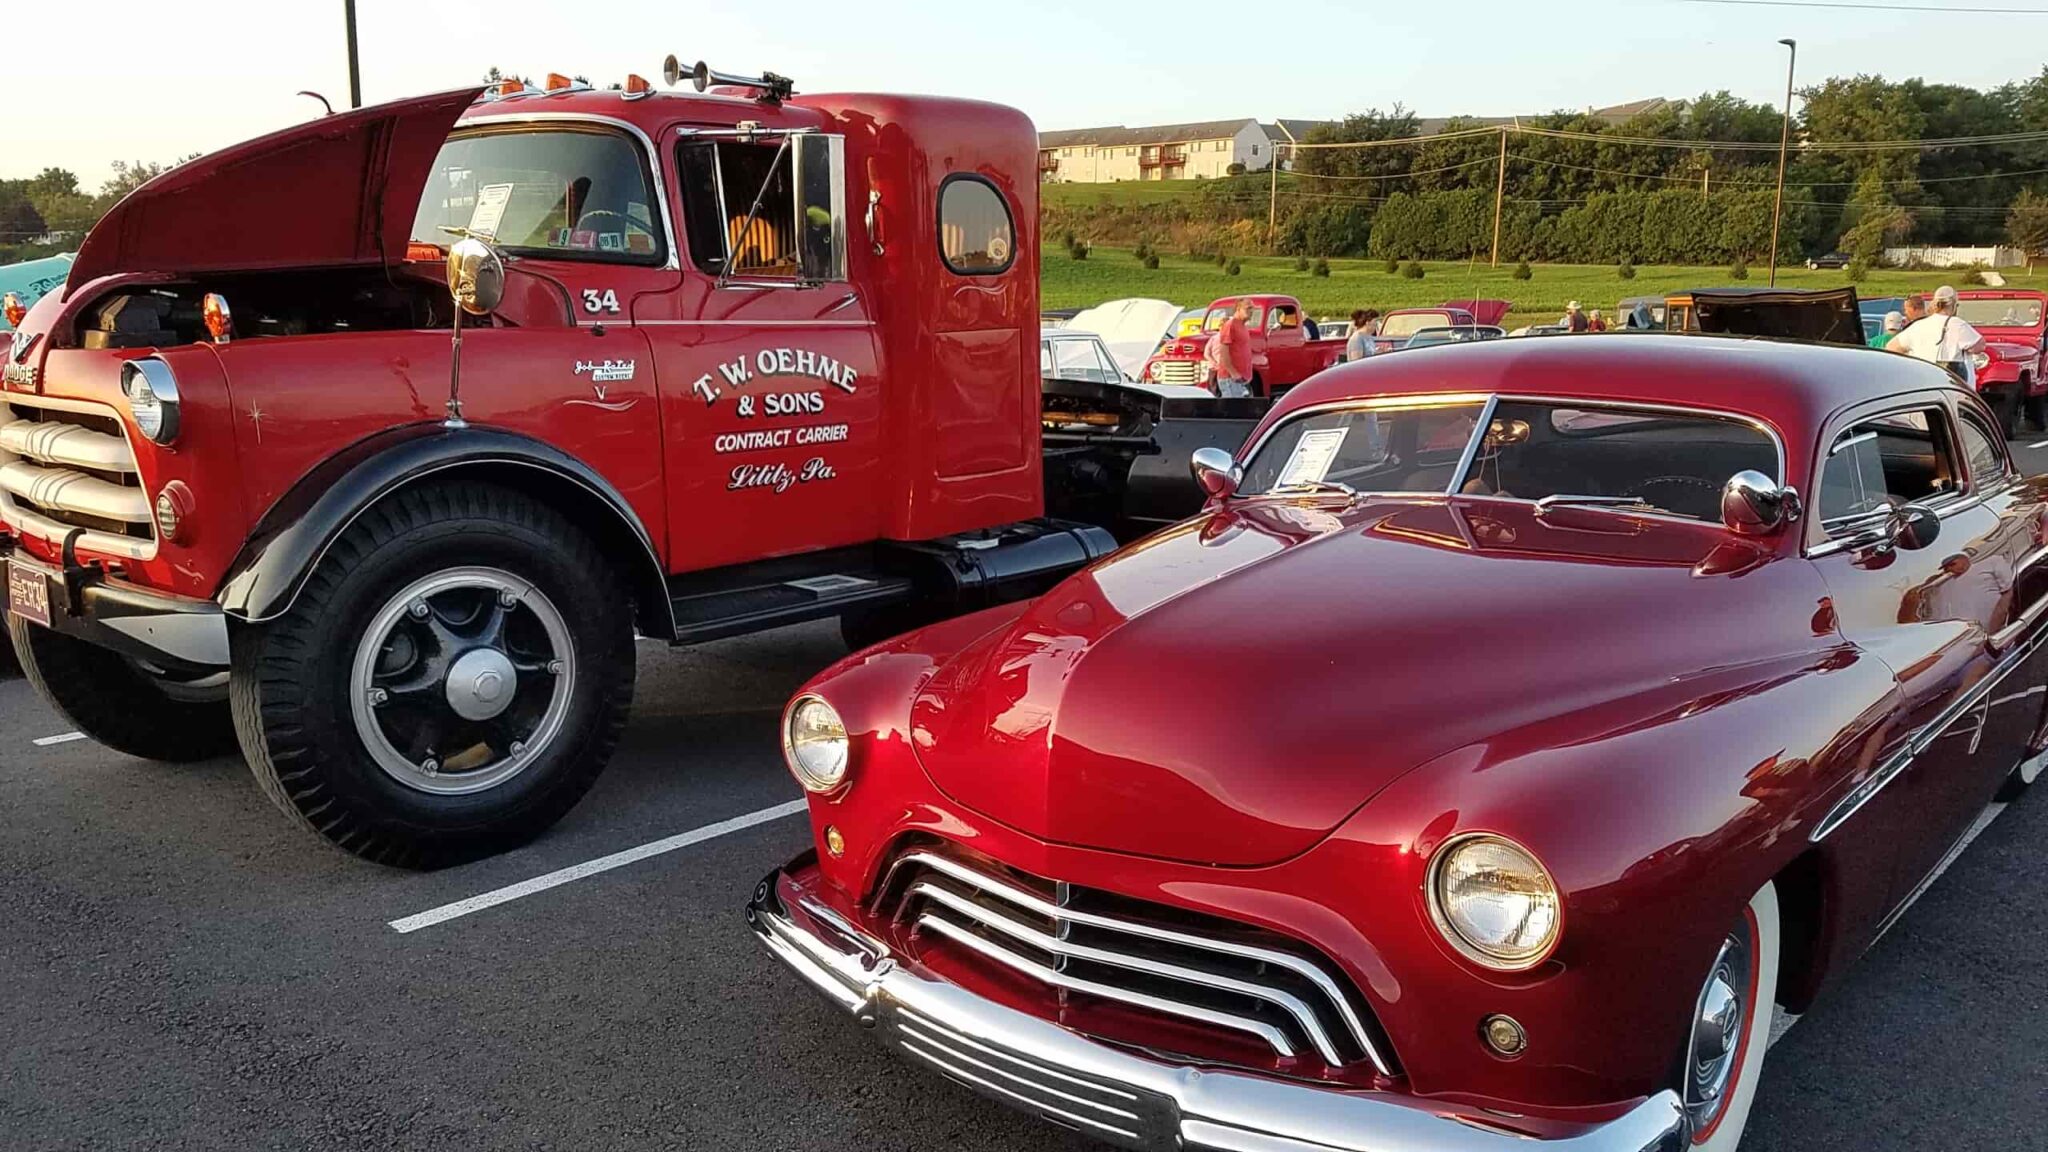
point(1575, 500)
point(1315, 486)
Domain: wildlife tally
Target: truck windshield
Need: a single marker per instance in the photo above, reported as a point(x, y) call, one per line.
point(575, 193)
point(2000, 312)
point(1217, 316)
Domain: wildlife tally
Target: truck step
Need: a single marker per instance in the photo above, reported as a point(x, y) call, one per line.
point(734, 611)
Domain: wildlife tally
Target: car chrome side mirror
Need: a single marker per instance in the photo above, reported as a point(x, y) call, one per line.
point(1753, 505)
point(1216, 472)
point(476, 276)
point(1914, 527)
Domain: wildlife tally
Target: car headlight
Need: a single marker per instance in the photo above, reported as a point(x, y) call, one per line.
point(1980, 360)
point(152, 394)
point(814, 742)
point(1494, 902)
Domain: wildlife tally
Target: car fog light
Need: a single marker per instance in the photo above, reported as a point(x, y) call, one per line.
point(834, 842)
point(1504, 1035)
point(1494, 902)
point(152, 394)
point(814, 743)
point(173, 510)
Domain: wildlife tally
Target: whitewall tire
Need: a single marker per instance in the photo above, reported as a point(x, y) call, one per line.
point(1718, 1079)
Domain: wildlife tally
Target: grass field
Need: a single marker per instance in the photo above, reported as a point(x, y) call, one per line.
point(1111, 273)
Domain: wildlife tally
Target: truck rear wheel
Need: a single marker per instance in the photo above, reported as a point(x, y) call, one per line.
point(450, 681)
point(119, 703)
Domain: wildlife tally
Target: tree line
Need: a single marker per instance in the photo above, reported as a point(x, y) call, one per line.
point(50, 213)
point(1582, 189)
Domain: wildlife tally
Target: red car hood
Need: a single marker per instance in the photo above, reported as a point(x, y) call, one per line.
point(1228, 691)
point(342, 189)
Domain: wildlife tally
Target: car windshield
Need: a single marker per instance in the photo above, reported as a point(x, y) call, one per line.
point(2000, 312)
point(1403, 324)
point(1645, 461)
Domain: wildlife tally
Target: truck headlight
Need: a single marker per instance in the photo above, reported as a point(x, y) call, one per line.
point(1494, 902)
point(1980, 360)
point(152, 394)
point(814, 742)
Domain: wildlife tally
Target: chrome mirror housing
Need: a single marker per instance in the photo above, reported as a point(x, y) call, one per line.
point(1914, 527)
point(476, 276)
point(1216, 472)
point(1753, 505)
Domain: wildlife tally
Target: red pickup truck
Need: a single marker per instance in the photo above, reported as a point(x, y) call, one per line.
point(2012, 372)
point(378, 480)
point(1282, 353)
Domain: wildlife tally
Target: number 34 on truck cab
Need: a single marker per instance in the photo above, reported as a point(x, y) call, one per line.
point(368, 446)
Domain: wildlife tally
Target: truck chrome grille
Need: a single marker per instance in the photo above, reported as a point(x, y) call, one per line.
point(1151, 957)
point(1179, 372)
point(67, 465)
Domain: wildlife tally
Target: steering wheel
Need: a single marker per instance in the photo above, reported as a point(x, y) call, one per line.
point(630, 223)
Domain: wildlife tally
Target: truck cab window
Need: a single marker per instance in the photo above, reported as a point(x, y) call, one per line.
point(976, 235)
point(562, 193)
point(766, 208)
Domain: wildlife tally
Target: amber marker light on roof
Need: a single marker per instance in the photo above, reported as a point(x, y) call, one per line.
point(558, 83)
point(509, 88)
point(637, 87)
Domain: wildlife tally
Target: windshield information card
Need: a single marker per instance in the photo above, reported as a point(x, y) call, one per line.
point(1312, 456)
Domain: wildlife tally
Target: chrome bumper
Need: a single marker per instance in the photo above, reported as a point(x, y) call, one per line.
point(175, 633)
point(1115, 1095)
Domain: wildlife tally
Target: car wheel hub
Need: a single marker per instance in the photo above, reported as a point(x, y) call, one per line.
point(461, 680)
point(1719, 1031)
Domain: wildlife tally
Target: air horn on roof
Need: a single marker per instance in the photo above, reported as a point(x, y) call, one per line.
point(773, 89)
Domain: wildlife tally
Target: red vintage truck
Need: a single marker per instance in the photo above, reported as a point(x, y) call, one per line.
point(2012, 371)
point(1282, 353)
point(367, 446)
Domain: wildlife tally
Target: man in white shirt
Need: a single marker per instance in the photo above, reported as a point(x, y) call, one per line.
point(1942, 337)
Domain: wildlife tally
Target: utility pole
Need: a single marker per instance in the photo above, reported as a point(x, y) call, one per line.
point(1784, 144)
point(1500, 191)
point(1705, 174)
point(355, 74)
point(1273, 197)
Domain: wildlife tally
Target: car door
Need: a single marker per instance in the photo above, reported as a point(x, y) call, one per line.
point(1929, 613)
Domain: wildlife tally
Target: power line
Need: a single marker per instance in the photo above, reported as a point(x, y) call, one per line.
point(1874, 7)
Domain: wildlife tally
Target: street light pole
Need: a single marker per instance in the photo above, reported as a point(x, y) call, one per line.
point(1784, 144)
point(355, 74)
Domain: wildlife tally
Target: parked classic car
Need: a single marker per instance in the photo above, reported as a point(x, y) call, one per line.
point(2012, 371)
point(1284, 351)
point(1619, 693)
point(1454, 334)
point(1401, 323)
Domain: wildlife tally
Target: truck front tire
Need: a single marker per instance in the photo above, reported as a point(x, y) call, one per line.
point(111, 699)
point(449, 682)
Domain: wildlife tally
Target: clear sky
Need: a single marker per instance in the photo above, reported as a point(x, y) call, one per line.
point(83, 85)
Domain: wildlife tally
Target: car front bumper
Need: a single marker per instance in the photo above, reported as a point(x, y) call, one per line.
point(1111, 1093)
point(177, 634)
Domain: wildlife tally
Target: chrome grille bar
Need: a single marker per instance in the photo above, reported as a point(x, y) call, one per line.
point(1031, 902)
point(1024, 933)
point(1040, 972)
point(70, 445)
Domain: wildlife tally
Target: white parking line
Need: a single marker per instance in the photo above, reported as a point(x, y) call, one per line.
point(590, 868)
point(2039, 444)
point(60, 738)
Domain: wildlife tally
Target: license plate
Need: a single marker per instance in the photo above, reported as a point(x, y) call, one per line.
point(28, 594)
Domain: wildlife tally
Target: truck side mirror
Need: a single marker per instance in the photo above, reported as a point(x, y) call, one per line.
point(1753, 505)
point(1216, 473)
point(476, 276)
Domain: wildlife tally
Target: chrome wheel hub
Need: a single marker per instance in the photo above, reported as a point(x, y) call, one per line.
point(462, 680)
point(1719, 1031)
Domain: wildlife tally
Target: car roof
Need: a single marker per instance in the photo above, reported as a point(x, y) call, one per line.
point(1792, 386)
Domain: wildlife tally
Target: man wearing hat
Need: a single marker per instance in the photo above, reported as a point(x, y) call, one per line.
point(1894, 323)
point(1574, 319)
point(1942, 337)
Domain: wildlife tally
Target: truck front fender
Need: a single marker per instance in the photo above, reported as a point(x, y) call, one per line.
point(295, 534)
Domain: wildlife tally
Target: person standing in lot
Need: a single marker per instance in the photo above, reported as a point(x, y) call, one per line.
point(1894, 323)
point(1942, 337)
point(1915, 309)
point(1596, 323)
point(1574, 319)
point(1230, 353)
point(1363, 323)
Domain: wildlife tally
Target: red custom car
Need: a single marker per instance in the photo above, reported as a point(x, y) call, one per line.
point(1582, 742)
point(2010, 370)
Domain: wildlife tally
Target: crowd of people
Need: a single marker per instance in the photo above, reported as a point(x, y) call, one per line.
point(1929, 329)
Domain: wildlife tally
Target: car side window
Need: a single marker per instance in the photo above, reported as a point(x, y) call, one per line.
point(1884, 463)
point(1981, 451)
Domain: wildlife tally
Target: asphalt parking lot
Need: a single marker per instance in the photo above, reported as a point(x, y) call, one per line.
point(185, 970)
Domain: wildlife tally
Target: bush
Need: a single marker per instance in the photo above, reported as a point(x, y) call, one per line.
point(1235, 169)
point(1856, 271)
point(1233, 268)
point(1625, 269)
point(1141, 251)
point(1301, 263)
point(1393, 265)
point(1411, 270)
point(1739, 270)
point(1222, 260)
point(1521, 271)
point(1322, 268)
point(1152, 260)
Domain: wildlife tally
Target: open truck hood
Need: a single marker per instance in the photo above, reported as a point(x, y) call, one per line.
point(342, 189)
point(1824, 316)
